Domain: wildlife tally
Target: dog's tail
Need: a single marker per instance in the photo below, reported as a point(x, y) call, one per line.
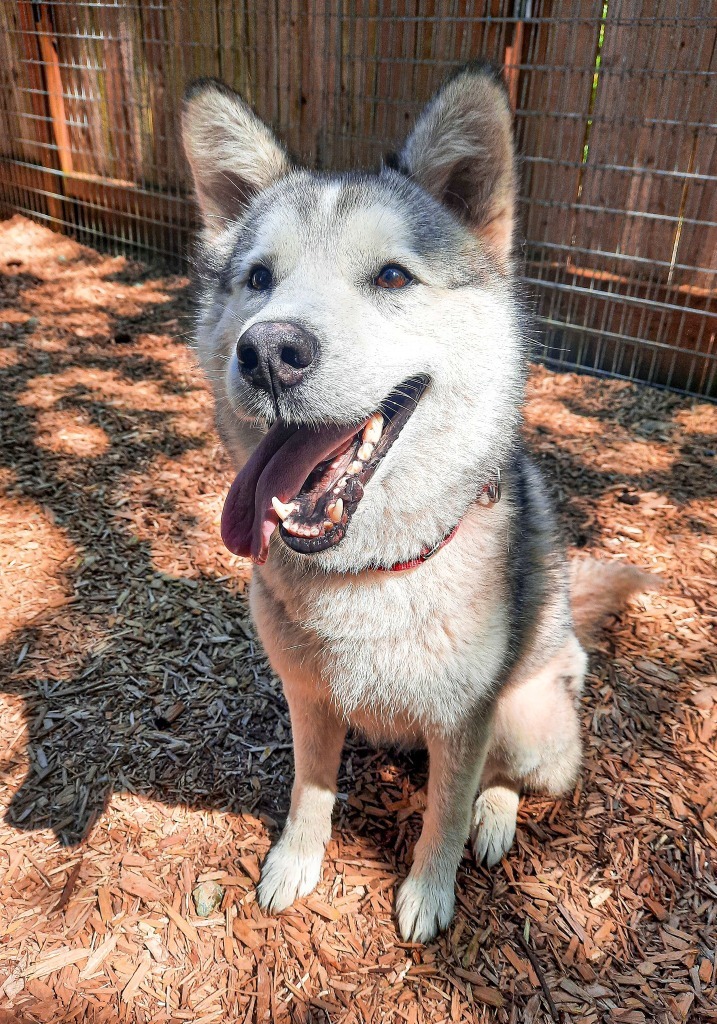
point(599, 589)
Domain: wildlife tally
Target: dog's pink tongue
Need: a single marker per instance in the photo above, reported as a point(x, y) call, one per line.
point(278, 467)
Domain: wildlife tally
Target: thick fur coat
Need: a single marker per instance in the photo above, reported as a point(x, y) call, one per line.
point(472, 653)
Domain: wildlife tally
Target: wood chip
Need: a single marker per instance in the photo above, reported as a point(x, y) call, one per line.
point(245, 933)
point(323, 909)
point(184, 926)
point(68, 887)
point(99, 956)
point(55, 962)
point(138, 885)
point(131, 988)
point(263, 994)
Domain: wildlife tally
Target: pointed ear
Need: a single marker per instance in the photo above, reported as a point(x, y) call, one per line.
point(461, 151)
point(232, 153)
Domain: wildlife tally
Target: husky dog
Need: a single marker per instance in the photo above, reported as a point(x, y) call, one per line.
point(368, 361)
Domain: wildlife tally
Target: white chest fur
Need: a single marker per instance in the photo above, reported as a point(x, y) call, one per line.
point(397, 653)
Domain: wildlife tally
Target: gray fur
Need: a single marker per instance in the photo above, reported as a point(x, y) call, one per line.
point(471, 654)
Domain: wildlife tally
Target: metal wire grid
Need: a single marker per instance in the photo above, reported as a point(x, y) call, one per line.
point(615, 114)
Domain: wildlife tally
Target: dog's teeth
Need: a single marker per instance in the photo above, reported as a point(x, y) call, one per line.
point(335, 510)
point(291, 527)
point(328, 525)
point(353, 490)
point(315, 531)
point(283, 511)
point(355, 467)
point(365, 452)
point(373, 429)
point(337, 490)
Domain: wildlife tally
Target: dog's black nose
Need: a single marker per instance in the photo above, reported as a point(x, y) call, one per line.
point(275, 356)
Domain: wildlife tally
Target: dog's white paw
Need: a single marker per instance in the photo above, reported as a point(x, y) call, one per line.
point(494, 820)
point(287, 874)
point(424, 907)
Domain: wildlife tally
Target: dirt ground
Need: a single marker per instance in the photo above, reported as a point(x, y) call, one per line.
point(145, 745)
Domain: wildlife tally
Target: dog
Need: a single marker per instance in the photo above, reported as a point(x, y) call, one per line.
point(368, 357)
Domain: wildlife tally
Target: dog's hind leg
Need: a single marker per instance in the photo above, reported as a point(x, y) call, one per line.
point(535, 745)
point(293, 865)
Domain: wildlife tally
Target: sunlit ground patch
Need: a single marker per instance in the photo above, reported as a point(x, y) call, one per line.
point(70, 433)
point(175, 506)
point(109, 387)
point(34, 557)
point(699, 418)
point(586, 436)
point(552, 414)
point(635, 458)
point(28, 242)
point(8, 357)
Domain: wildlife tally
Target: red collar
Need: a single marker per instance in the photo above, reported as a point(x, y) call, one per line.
point(489, 495)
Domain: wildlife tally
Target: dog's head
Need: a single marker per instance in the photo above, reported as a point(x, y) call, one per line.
point(359, 330)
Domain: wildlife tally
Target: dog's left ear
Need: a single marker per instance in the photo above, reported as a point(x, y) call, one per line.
point(461, 151)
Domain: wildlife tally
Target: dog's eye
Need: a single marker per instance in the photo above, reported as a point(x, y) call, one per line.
point(260, 279)
point(392, 276)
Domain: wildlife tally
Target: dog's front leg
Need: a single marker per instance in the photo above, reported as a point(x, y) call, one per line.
point(293, 865)
point(426, 899)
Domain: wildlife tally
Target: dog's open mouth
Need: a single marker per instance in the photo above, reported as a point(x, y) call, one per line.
point(311, 479)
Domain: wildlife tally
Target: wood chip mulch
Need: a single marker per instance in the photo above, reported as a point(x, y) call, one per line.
point(145, 746)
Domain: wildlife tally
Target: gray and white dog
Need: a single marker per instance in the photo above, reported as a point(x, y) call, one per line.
point(368, 361)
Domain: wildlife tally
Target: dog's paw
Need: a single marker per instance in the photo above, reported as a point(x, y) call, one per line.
point(286, 875)
point(424, 907)
point(494, 820)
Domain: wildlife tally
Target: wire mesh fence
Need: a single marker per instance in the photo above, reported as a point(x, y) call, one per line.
point(615, 109)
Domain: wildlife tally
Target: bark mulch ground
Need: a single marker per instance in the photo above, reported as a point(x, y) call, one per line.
point(145, 745)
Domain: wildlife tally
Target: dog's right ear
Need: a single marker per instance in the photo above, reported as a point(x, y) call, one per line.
point(232, 153)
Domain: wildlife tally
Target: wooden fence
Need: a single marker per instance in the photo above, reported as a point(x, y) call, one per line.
point(615, 100)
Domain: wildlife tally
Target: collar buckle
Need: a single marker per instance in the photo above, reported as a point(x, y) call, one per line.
point(491, 492)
